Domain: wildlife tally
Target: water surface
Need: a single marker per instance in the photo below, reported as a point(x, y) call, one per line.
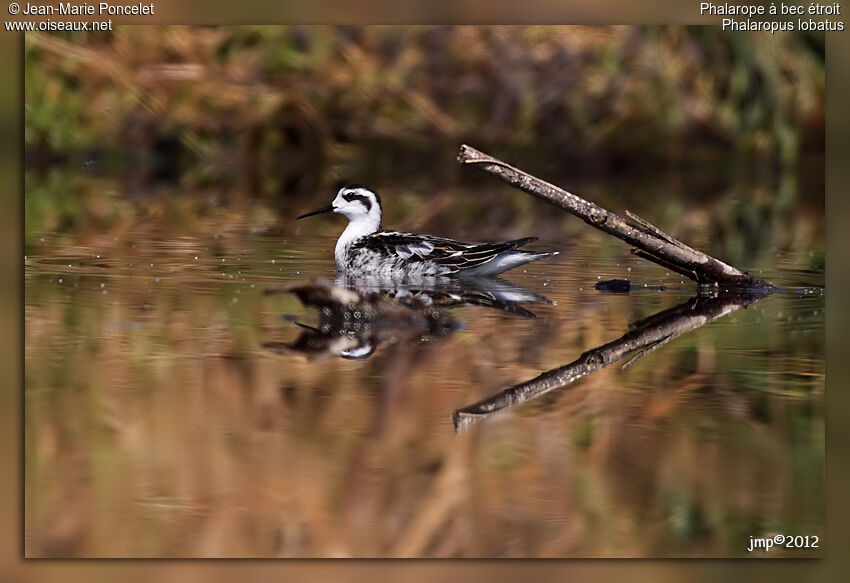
point(157, 424)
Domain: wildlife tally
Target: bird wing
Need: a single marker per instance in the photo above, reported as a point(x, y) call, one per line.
point(453, 254)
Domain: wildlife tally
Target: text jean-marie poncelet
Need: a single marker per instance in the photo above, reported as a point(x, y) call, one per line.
point(101, 9)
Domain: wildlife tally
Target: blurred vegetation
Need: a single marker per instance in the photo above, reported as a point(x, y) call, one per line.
point(165, 129)
point(276, 105)
point(157, 157)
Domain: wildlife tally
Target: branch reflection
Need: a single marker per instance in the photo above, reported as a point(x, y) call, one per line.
point(645, 336)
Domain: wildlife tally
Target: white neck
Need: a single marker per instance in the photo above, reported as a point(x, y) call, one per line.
point(359, 227)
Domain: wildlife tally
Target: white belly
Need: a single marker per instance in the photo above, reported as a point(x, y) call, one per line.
point(366, 262)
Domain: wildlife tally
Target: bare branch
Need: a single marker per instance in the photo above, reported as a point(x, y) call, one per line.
point(652, 243)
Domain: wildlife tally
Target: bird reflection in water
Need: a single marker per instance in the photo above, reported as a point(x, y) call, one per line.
point(357, 315)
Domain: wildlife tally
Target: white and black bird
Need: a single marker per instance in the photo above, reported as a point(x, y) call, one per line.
point(366, 249)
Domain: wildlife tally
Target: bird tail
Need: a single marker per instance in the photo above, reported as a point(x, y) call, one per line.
point(505, 261)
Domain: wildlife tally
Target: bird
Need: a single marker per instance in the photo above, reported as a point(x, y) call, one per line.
point(365, 249)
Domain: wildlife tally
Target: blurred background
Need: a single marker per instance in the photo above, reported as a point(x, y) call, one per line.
point(165, 166)
point(184, 118)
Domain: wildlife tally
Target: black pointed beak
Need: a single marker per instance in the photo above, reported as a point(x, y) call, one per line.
point(324, 209)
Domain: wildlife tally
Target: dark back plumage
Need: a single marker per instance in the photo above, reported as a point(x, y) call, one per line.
point(452, 254)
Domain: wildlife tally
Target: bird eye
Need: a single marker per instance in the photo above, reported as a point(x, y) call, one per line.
point(364, 200)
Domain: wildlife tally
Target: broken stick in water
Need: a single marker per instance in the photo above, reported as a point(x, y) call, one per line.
point(650, 242)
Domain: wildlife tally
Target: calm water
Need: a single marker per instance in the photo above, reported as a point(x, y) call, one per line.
point(158, 423)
